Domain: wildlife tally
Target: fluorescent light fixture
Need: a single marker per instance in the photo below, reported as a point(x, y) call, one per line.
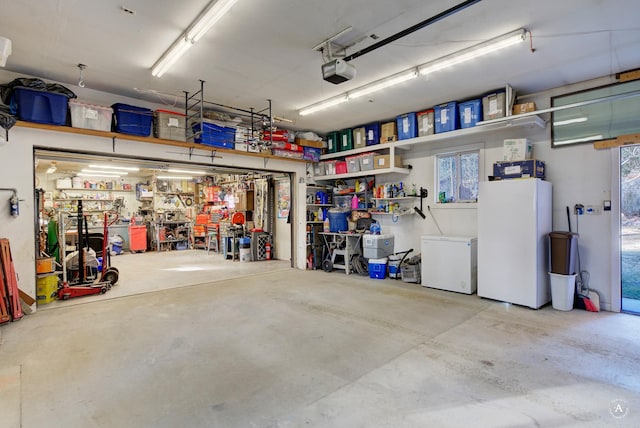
point(461, 56)
point(570, 121)
point(323, 105)
point(474, 51)
point(186, 171)
point(174, 177)
point(99, 171)
point(383, 83)
point(580, 140)
point(124, 168)
point(86, 174)
point(198, 28)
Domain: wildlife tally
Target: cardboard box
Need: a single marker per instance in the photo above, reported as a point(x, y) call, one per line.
point(309, 143)
point(359, 137)
point(384, 161)
point(524, 108)
point(517, 149)
point(388, 132)
point(520, 169)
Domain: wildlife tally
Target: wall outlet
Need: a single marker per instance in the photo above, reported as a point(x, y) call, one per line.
point(592, 209)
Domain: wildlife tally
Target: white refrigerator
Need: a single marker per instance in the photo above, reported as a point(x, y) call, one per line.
point(514, 220)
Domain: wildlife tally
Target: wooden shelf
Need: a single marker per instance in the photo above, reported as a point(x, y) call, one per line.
point(115, 135)
point(393, 213)
point(319, 205)
point(404, 198)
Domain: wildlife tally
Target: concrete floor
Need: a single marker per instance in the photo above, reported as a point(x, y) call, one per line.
point(291, 348)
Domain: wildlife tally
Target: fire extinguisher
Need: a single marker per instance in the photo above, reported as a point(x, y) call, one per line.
point(267, 247)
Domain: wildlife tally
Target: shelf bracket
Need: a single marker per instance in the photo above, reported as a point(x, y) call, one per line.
point(190, 152)
point(423, 194)
point(265, 161)
point(213, 156)
point(113, 144)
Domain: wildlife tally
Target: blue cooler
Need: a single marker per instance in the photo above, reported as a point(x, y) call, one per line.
point(378, 268)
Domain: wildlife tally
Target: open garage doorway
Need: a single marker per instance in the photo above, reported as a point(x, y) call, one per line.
point(169, 224)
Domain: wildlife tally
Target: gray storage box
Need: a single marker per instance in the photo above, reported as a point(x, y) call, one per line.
point(377, 246)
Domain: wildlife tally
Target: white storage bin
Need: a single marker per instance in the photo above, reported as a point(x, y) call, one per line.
point(90, 116)
point(170, 125)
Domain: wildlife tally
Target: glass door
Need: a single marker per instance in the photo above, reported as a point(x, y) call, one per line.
point(630, 228)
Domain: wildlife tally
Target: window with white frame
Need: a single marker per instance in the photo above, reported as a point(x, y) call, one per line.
point(457, 176)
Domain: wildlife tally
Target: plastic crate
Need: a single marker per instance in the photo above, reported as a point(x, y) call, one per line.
point(407, 126)
point(425, 121)
point(353, 163)
point(410, 272)
point(446, 117)
point(366, 162)
point(41, 106)
point(211, 134)
point(470, 113)
point(332, 142)
point(132, 120)
point(89, 116)
point(359, 137)
point(345, 140)
point(341, 167)
point(372, 131)
point(312, 154)
point(170, 125)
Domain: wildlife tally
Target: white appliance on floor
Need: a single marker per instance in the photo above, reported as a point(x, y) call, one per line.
point(450, 263)
point(514, 219)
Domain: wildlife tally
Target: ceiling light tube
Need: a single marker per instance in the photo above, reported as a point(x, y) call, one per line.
point(570, 121)
point(186, 171)
point(85, 174)
point(171, 56)
point(124, 168)
point(206, 20)
point(472, 52)
point(98, 171)
point(198, 28)
point(174, 177)
point(323, 105)
point(383, 83)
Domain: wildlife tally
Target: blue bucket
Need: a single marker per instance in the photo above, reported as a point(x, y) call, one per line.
point(338, 221)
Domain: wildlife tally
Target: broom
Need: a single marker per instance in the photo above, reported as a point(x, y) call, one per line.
point(586, 299)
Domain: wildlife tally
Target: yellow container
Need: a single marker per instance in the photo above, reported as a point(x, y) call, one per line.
point(46, 289)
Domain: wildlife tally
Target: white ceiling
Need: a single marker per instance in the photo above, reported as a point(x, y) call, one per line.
point(263, 49)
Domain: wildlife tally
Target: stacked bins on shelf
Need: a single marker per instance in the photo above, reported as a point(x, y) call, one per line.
point(39, 106)
point(170, 125)
point(132, 120)
point(212, 134)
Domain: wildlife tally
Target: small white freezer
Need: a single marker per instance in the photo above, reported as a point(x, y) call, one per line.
point(450, 263)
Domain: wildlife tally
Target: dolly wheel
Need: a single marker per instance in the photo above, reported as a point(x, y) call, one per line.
point(111, 276)
point(103, 290)
point(327, 266)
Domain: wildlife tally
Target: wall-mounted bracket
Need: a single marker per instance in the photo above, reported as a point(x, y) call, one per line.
point(113, 144)
point(423, 194)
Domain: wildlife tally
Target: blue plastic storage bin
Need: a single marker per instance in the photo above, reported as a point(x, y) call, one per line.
point(214, 135)
point(470, 113)
point(132, 120)
point(407, 126)
point(372, 132)
point(338, 221)
point(446, 117)
point(40, 106)
point(378, 268)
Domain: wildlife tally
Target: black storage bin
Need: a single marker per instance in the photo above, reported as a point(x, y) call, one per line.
point(563, 248)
